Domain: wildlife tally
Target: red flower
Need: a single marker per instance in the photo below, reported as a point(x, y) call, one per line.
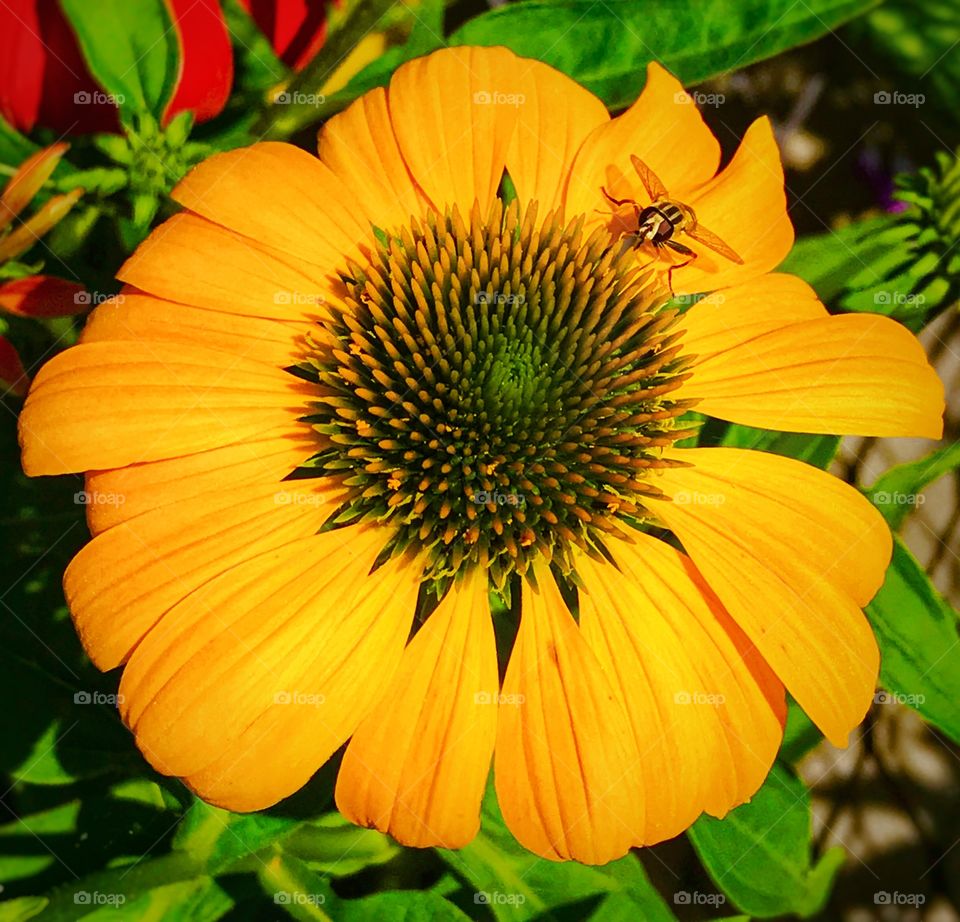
point(296, 28)
point(13, 376)
point(42, 70)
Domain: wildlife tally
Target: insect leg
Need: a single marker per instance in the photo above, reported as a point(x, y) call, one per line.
point(617, 201)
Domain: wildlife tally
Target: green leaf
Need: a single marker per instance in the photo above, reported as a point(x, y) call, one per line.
point(218, 838)
point(298, 889)
point(605, 46)
point(873, 267)
point(800, 734)
point(760, 853)
point(22, 908)
point(405, 906)
point(922, 40)
point(906, 266)
point(131, 50)
point(20, 860)
point(337, 847)
point(185, 901)
point(116, 888)
point(14, 147)
point(899, 491)
point(818, 450)
point(515, 884)
point(919, 645)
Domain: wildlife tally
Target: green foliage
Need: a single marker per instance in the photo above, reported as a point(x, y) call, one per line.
point(906, 265)
point(422, 26)
point(605, 46)
point(14, 147)
point(920, 648)
point(759, 854)
point(922, 40)
point(818, 450)
point(898, 491)
point(131, 50)
point(516, 885)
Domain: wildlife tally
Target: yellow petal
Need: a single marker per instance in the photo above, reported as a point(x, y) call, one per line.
point(253, 682)
point(745, 206)
point(107, 404)
point(856, 374)
point(283, 197)
point(126, 579)
point(189, 260)
point(706, 712)
point(418, 764)
point(727, 318)
point(664, 129)
point(360, 147)
point(567, 768)
point(135, 317)
point(793, 554)
point(120, 494)
point(453, 114)
point(556, 116)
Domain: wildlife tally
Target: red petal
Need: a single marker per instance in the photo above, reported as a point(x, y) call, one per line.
point(44, 296)
point(43, 72)
point(22, 58)
point(296, 28)
point(206, 59)
point(13, 376)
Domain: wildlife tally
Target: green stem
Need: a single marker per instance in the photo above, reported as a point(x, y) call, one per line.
point(283, 119)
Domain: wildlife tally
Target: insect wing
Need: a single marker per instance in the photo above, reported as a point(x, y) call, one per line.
point(651, 182)
point(711, 240)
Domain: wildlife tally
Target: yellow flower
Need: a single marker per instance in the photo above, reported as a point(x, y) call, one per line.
point(344, 397)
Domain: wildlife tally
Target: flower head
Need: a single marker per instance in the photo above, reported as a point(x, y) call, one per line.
point(352, 398)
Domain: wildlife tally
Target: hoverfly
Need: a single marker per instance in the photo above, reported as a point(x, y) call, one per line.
point(661, 220)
